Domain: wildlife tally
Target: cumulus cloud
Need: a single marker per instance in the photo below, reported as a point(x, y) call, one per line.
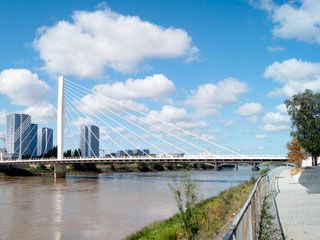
point(249, 109)
point(295, 76)
point(282, 108)
point(152, 87)
point(177, 117)
point(294, 19)
point(101, 39)
point(97, 104)
point(22, 86)
point(42, 113)
point(276, 121)
point(156, 86)
point(208, 98)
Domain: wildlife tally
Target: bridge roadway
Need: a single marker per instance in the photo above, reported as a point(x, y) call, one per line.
point(218, 160)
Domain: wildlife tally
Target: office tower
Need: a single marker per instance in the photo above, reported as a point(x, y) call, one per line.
point(89, 141)
point(45, 141)
point(33, 140)
point(18, 127)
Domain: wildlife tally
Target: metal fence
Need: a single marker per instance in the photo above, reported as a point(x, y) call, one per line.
point(246, 224)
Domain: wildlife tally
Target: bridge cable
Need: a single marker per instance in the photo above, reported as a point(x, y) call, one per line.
point(168, 124)
point(89, 129)
point(114, 129)
point(151, 144)
point(150, 133)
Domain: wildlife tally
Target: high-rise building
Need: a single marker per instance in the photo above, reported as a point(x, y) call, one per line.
point(17, 139)
point(45, 141)
point(89, 141)
point(33, 140)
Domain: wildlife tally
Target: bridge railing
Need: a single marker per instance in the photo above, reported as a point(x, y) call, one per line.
point(246, 224)
point(157, 157)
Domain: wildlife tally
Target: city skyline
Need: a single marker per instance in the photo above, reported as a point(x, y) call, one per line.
point(23, 138)
point(228, 87)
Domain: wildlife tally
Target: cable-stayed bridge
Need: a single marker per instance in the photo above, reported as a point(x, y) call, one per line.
point(123, 125)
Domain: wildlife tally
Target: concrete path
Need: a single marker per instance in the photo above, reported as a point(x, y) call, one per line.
point(298, 204)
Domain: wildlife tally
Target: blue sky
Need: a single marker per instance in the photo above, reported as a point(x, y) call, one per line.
point(223, 67)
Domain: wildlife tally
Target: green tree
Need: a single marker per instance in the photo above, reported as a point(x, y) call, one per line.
point(304, 111)
point(186, 199)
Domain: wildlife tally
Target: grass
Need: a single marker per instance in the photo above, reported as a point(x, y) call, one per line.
point(265, 222)
point(214, 215)
point(264, 171)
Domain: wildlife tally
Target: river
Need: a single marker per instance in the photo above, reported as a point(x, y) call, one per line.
point(104, 206)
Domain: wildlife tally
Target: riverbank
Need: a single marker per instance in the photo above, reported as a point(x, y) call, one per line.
point(87, 168)
point(215, 215)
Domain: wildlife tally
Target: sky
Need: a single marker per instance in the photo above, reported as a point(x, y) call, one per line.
point(218, 69)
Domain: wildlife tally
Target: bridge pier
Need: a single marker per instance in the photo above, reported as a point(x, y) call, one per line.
point(255, 167)
point(60, 170)
point(215, 165)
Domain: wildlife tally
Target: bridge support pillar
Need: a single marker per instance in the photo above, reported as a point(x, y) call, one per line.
point(60, 170)
point(255, 167)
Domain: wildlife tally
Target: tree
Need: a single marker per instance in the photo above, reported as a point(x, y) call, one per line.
point(76, 153)
point(186, 200)
point(295, 153)
point(67, 153)
point(304, 111)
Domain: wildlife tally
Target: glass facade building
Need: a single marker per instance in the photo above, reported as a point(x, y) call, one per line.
point(33, 140)
point(89, 141)
point(45, 141)
point(17, 137)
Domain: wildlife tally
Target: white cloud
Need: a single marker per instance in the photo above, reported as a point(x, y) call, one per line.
point(276, 117)
point(3, 117)
point(95, 41)
point(177, 117)
point(282, 108)
point(81, 121)
point(153, 87)
point(249, 109)
point(294, 20)
point(209, 97)
point(156, 86)
point(42, 113)
point(295, 75)
point(98, 104)
point(276, 121)
point(22, 86)
point(276, 128)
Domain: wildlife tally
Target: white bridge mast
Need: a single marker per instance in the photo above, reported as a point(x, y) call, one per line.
point(60, 119)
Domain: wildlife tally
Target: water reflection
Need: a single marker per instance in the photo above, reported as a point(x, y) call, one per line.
point(58, 202)
point(107, 206)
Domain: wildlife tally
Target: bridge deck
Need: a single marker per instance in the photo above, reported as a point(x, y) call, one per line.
point(185, 159)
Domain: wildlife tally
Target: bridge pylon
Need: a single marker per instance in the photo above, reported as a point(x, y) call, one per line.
point(59, 168)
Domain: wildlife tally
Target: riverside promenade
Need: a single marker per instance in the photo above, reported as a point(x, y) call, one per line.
point(298, 203)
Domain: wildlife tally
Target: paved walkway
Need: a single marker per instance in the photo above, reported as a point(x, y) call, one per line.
point(298, 204)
